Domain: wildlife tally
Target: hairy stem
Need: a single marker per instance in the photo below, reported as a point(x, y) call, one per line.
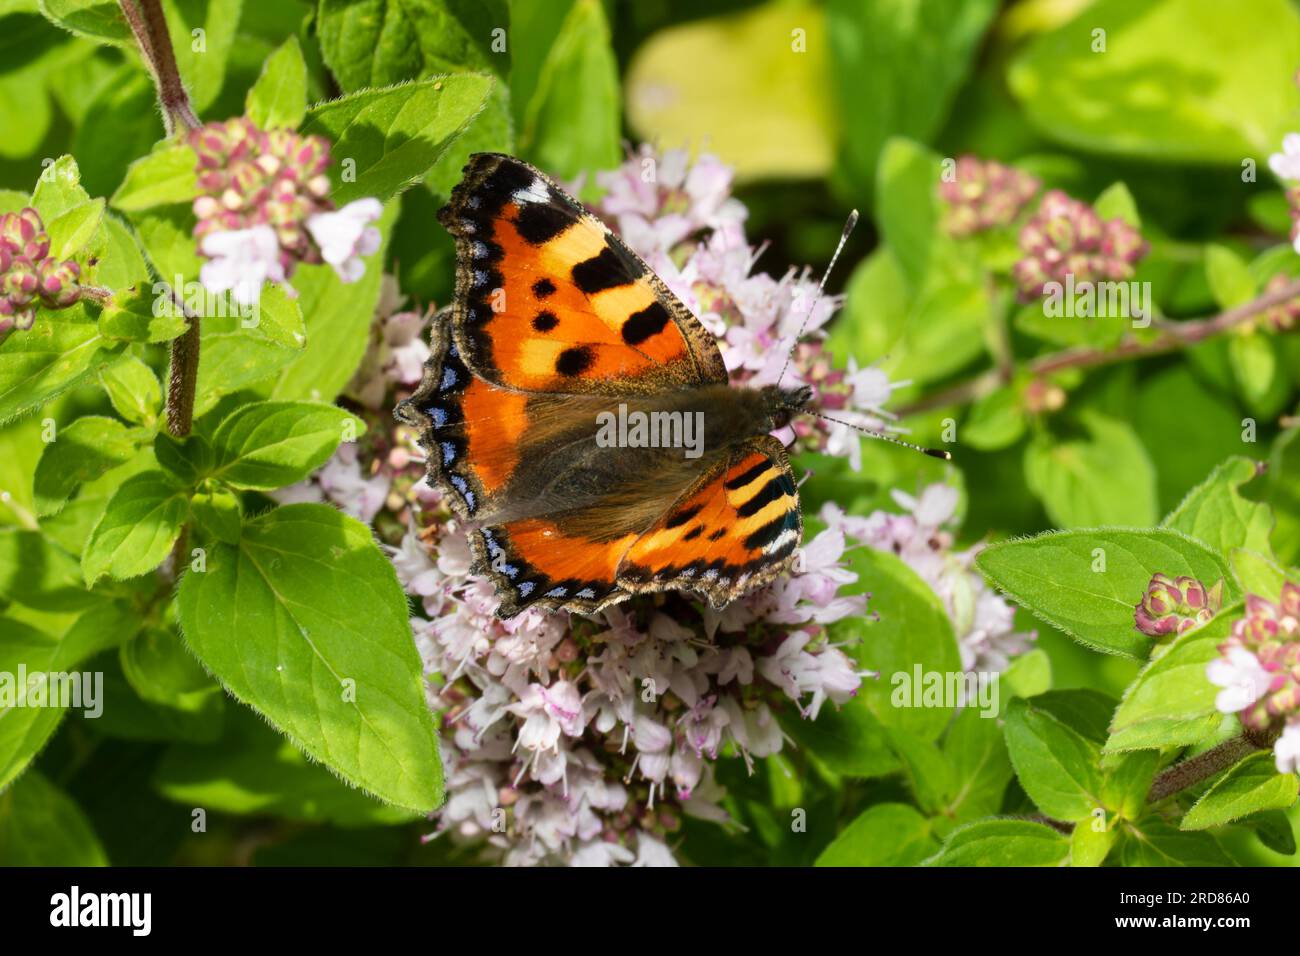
point(1205, 765)
point(145, 17)
point(183, 375)
point(1173, 336)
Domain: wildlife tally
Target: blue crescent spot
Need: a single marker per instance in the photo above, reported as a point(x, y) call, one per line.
point(526, 589)
point(587, 593)
point(439, 416)
point(557, 592)
point(448, 379)
point(448, 453)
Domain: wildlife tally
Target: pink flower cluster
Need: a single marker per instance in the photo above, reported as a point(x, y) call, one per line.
point(1259, 672)
point(265, 208)
point(29, 275)
point(1067, 237)
point(984, 194)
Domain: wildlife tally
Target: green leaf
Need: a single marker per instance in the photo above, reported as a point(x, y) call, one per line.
point(1248, 787)
point(1257, 574)
point(1284, 494)
point(1057, 767)
point(1087, 583)
point(1215, 511)
point(161, 669)
point(40, 825)
point(37, 573)
point(194, 716)
point(253, 770)
point(1128, 781)
point(96, 19)
point(24, 730)
point(1259, 372)
point(190, 459)
point(272, 444)
point(81, 452)
point(59, 189)
point(1089, 845)
point(137, 531)
point(1274, 831)
point(305, 621)
point(1171, 701)
point(71, 231)
point(930, 777)
point(1153, 842)
point(1215, 69)
point(913, 57)
point(203, 34)
point(1117, 202)
point(1230, 280)
point(279, 97)
point(887, 834)
point(572, 124)
point(167, 175)
point(236, 360)
point(394, 136)
point(1003, 843)
point(912, 638)
point(338, 317)
point(769, 53)
point(908, 210)
point(133, 389)
point(1028, 675)
point(139, 316)
point(995, 421)
point(848, 741)
point(1106, 479)
point(59, 351)
point(977, 753)
point(218, 513)
point(369, 43)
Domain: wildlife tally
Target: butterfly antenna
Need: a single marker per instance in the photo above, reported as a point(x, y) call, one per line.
point(932, 452)
point(821, 287)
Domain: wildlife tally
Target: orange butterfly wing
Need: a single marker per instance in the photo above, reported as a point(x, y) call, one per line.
point(549, 300)
point(735, 529)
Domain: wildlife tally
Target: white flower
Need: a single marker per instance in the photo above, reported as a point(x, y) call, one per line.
point(346, 234)
point(239, 262)
point(415, 571)
point(601, 853)
point(1242, 677)
point(651, 852)
point(548, 712)
point(1286, 164)
point(344, 484)
point(1286, 751)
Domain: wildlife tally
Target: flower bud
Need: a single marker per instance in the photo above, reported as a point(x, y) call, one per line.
point(1173, 605)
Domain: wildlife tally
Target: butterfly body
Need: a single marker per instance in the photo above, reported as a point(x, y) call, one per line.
point(580, 419)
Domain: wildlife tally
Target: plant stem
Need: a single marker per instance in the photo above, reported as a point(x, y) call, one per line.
point(1205, 765)
point(183, 375)
point(1174, 336)
point(145, 17)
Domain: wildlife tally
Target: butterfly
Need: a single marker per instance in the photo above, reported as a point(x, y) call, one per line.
point(556, 331)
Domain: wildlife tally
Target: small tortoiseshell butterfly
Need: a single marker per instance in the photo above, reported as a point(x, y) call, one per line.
point(555, 322)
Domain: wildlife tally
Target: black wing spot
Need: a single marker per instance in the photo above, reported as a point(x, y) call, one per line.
point(683, 516)
point(693, 533)
point(543, 288)
point(744, 478)
point(545, 321)
point(507, 179)
point(538, 223)
point(605, 271)
point(650, 321)
point(575, 361)
point(717, 534)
